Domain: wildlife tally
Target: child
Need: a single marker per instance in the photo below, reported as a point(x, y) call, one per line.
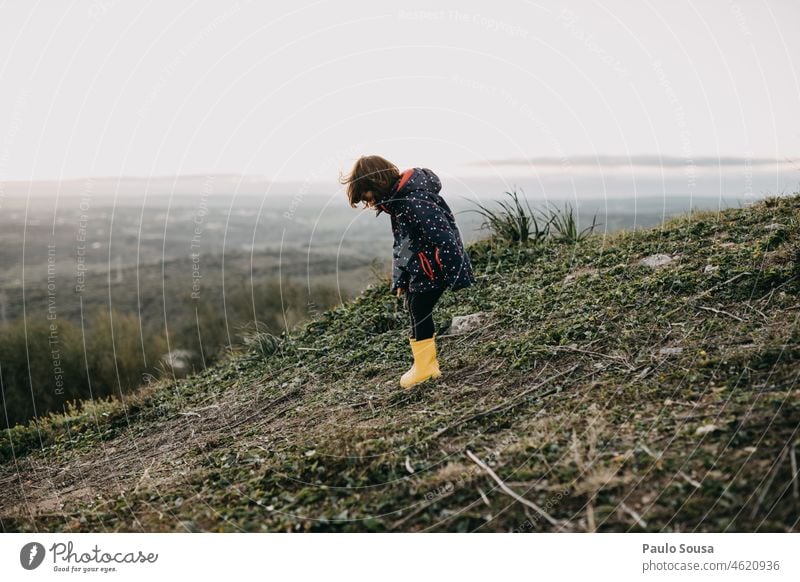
point(428, 255)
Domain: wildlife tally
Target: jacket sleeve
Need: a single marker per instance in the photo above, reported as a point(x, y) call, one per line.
point(429, 221)
point(400, 259)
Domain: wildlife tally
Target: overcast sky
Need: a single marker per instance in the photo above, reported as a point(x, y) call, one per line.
point(297, 90)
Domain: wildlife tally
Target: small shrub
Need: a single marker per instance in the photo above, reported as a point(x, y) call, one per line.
point(513, 222)
point(263, 344)
point(565, 223)
point(516, 223)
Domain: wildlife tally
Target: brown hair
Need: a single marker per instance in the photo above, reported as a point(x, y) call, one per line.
point(370, 173)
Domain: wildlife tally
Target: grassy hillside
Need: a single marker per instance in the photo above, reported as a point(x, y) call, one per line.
point(603, 394)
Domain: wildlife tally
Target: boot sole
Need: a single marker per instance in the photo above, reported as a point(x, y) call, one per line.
point(418, 382)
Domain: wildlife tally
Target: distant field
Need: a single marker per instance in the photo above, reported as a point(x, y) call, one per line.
point(105, 237)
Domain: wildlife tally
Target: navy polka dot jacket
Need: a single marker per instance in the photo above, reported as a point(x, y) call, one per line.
point(428, 252)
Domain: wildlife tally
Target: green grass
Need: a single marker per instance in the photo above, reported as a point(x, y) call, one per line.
point(565, 225)
point(610, 395)
point(514, 223)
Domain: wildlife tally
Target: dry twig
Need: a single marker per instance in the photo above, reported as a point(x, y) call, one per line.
point(721, 312)
point(508, 491)
point(636, 517)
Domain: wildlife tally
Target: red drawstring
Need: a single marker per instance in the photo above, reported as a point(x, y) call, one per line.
point(426, 265)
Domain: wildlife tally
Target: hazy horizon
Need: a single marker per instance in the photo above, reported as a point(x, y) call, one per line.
point(595, 177)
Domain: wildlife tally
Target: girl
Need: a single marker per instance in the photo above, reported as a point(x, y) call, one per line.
point(428, 255)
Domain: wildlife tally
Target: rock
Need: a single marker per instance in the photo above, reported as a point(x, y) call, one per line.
point(706, 428)
point(466, 323)
point(656, 261)
point(670, 351)
point(710, 269)
point(179, 360)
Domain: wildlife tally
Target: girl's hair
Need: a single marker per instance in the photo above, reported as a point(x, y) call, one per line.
point(370, 173)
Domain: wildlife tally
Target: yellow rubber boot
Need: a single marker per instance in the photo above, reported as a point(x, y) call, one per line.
point(425, 367)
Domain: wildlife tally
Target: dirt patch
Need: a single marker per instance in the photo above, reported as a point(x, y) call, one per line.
point(580, 273)
point(37, 483)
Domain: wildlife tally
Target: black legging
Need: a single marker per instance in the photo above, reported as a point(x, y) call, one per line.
point(420, 309)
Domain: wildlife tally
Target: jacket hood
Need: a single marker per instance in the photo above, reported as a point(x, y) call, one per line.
point(410, 180)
